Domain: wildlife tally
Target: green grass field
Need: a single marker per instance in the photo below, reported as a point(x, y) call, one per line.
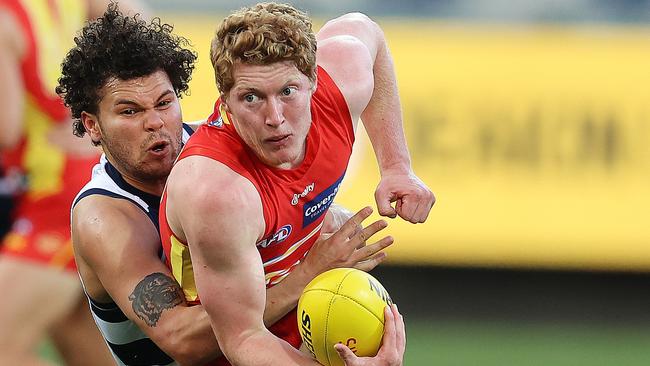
point(499, 344)
point(453, 343)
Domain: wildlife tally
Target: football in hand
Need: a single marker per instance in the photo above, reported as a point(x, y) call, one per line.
point(342, 305)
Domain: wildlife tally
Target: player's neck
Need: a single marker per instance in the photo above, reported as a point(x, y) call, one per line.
point(148, 184)
point(154, 187)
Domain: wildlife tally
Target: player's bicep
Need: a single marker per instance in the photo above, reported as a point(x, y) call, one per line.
point(120, 245)
point(221, 227)
point(231, 286)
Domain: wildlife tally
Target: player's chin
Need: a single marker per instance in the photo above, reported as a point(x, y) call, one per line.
point(157, 167)
point(285, 157)
point(157, 172)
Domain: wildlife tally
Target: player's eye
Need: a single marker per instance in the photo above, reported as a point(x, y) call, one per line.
point(288, 91)
point(250, 98)
point(128, 112)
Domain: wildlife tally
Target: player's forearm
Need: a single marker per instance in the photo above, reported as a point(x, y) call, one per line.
point(382, 117)
point(262, 348)
point(158, 306)
point(189, 338)
point(283, 297)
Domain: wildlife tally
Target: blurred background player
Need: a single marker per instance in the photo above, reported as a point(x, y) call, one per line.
point(41, 291)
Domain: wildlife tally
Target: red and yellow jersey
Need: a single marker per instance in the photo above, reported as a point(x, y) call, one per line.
point(294, 201)
point(52, 177)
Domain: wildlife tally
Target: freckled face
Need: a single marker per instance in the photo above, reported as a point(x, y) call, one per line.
point(270, 106)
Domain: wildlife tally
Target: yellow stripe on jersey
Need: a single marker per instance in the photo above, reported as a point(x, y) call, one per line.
point(182, 268)
point(273, 278)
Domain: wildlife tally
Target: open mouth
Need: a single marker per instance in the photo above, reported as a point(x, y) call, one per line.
point(159, 147)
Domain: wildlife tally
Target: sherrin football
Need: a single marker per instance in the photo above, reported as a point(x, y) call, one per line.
point(342, 305)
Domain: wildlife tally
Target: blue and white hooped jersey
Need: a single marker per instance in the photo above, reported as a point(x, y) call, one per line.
point(127, 342)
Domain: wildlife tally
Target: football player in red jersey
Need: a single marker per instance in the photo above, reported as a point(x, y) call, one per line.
point(246, 200)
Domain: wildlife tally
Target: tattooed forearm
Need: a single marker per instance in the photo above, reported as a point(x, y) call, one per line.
point(155, 293)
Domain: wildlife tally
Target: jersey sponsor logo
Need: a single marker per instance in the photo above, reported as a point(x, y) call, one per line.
point(315, 208)
point(280, 236)
point(297, 196)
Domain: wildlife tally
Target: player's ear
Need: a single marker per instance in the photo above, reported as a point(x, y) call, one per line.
point(91, 124)
point(225, 105)
point(314, 84)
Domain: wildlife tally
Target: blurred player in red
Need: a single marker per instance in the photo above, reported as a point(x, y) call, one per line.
point(39, 285)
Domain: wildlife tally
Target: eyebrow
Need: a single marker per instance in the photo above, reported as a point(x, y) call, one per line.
point(246, 89)
point(131, 102)
point(166, 93)
point(125, 102)
point(240, 88)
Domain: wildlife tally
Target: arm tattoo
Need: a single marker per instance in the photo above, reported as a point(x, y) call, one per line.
point(155, 293)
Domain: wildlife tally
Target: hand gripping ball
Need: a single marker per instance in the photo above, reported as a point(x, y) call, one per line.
point(342, 305)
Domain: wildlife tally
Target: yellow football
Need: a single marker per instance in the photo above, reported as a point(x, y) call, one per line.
point(342, 305)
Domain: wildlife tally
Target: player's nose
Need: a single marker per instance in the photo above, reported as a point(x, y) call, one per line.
point(274, 113)
point(153, 121)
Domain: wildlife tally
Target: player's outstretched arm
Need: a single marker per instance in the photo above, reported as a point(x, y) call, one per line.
point(117, 252)
point(221, 222)
point(353, 50)
point(393, 343)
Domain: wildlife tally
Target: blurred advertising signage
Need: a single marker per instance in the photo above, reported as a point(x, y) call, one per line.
point(536, 141)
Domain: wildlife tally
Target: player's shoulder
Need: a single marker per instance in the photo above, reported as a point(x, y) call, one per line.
point(207, 184)
point(349, 35)
point(345, 49)
point(102, 226)
point(342, 52)
point(99, 214)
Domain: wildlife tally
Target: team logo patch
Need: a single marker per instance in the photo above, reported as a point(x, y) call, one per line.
point(216, 123)
point(280, 236)
point(315, 208)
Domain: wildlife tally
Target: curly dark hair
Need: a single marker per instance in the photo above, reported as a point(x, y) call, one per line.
point(122, 47)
